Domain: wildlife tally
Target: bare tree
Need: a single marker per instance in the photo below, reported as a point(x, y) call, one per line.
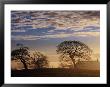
point(74, 49)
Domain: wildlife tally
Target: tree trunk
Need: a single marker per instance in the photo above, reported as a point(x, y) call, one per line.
point(25, 66)
point(73, 60)
point(38, 66)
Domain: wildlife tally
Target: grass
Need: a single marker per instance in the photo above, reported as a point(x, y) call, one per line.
point(55, 72)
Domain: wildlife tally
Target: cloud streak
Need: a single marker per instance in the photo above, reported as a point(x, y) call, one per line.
point(59, 35)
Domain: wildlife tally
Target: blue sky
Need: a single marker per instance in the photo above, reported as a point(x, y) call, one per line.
point(44, 30)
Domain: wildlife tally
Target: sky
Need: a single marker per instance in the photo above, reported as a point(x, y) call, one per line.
point(44, 30)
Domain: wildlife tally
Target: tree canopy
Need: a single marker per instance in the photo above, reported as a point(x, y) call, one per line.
point(74, 49)
point(22, 54)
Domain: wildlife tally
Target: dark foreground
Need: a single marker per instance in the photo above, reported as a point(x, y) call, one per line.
point(55, 72)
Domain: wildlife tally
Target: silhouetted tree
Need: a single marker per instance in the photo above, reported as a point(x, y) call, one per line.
point(22, 53)
point(74, 49)
point(40, 60)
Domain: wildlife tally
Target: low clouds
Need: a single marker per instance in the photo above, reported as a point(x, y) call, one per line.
point(18, 30)
point(54, 24)
point(59, 35)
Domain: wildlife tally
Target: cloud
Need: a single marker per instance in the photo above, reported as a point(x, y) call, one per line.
point(86, 34)
point(18, 30)
point(25, 37)
point(57, 19)
point(33, 37)
point(58, 35)
point(37, 25)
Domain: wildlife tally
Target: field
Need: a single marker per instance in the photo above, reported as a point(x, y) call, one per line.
point(55, 72)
